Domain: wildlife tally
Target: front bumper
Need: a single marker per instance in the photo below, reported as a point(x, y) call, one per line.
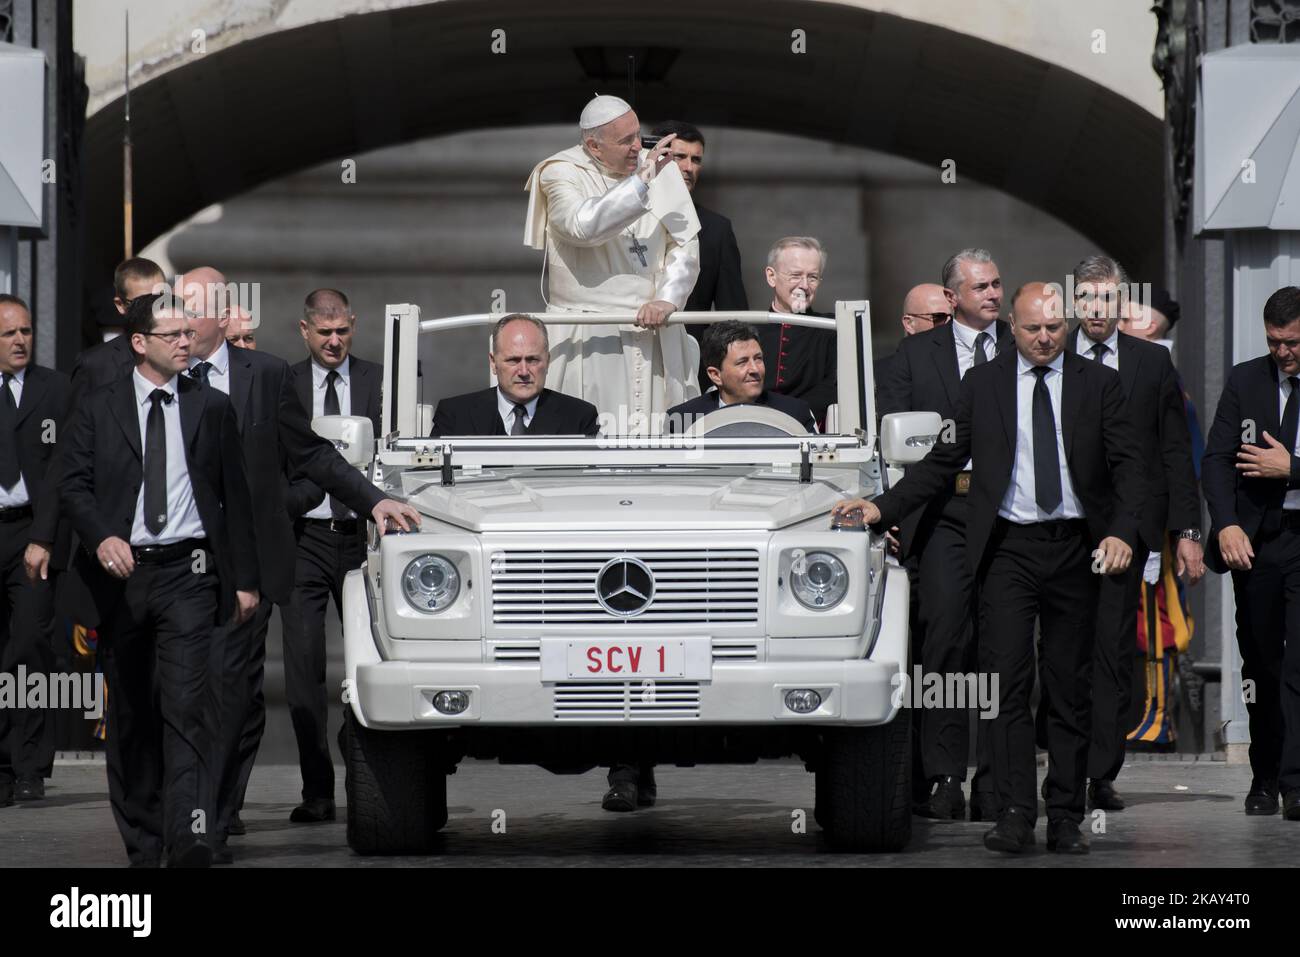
point(399, 694)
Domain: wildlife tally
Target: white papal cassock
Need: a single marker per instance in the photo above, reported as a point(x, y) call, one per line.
point(612, 245)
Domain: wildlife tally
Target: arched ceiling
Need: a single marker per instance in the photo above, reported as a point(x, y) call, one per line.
point(259, 109)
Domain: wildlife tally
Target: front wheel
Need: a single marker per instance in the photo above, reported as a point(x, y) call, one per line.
point(396, 787)
point(864, 787)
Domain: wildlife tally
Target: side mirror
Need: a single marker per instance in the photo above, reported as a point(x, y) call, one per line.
point(907, 437)
point(352, 435)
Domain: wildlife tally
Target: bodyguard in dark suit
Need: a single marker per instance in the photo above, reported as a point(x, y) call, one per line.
point(1055, 474)
point(925, 376)
point(1172, 506)
point(734, 360)
point(520, 403)
point(720, 285)
point(33, 406)
point(1251, 477)
point(278, 442)
point(330, 540)
point(109, 361)
point(153, 481)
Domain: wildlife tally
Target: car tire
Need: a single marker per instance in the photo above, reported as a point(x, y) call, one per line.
point(396, 787)
point(864, 787)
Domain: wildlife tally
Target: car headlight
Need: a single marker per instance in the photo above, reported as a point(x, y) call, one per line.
point(819, 580)
point(430, 583)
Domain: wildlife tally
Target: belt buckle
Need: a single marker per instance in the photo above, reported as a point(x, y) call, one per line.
point(962, 485)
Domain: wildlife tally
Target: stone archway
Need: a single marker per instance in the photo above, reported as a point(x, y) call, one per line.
point(259, 109)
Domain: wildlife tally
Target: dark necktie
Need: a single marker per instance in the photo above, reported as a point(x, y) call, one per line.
point(200, 371)
point(1047, 464)
point(517, 426)
point(331, 394)
point(8, 434)
point(1099, 351)
point(155, 463)
point(981, 340)
point(337, 509)
point(1290, 417)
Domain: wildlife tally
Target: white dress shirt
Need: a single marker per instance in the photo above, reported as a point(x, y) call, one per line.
point(182, 513)
point(1083, 345)
point(1019, 504)
point(343, 388)
point(506, 409)
point(17, 496)
point(219, 374)
point(965, 337)
point(1292, 500)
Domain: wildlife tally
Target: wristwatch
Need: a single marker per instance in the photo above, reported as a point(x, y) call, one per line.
point(1191, 534)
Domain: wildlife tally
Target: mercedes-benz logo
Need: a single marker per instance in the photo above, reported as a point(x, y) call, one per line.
point(625, 586)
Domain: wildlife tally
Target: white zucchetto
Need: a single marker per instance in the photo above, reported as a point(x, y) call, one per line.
point(602, 110)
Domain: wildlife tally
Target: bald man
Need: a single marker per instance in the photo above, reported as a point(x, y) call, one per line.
point(924, 307)
point(1055, 500)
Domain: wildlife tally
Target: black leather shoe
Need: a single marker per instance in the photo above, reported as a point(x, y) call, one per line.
point(237, 827)
point(622, 796)
point(1102, 795)
point(313, 811)
point(1262, 798)
point(221, 854)
point(1064, 837)
point(1291, 805)
point(146, 862)
point(1012, 834)
point(6, 794)
point(29, 789)
point(947, 802)
point(983, 806)
point(192, 853)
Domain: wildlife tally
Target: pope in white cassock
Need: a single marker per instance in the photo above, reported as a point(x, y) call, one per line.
point(620, 234)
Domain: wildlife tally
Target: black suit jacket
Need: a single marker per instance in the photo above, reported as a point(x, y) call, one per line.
point(278, 442)
point(102, 469)
point(366, 379)
point(720, 285)
point(42, 417)
point(99, 365)
point(476, 413)
point(682, 417)
point(1100, 449)
point(923, 376)
point(1249, 399)
point(1155, 403)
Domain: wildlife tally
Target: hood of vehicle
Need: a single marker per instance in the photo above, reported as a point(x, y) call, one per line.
point(635, 501)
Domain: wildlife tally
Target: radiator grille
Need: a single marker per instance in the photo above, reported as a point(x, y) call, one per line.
point(627, 701)
point(558, 587)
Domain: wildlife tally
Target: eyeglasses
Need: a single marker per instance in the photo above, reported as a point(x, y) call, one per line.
point(938, 318)
point(813, 278)
point(171, 338)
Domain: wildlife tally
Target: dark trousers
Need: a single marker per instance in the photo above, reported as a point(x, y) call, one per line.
point(948, 642)
point(1113, 654)
point(26, 624)
point(324, 559)
point(238, 672)
point(156, 641)
point(1039, 572)
point(1268, 634)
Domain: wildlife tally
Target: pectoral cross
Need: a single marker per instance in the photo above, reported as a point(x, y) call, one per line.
point(640, 250)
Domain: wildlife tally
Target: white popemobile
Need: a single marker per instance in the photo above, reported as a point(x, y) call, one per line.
point(572, 602)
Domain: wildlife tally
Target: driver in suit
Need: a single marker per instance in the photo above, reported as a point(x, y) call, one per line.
point(733, 358)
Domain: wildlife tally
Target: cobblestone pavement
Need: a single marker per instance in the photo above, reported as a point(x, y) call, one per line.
point(1180, 813)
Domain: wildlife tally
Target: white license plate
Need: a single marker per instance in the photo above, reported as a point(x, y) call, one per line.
point(626, 660)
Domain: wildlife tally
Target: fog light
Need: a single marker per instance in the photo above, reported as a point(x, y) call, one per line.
point(451, 702)
point(803, 700)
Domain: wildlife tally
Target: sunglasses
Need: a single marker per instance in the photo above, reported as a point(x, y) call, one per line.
point(938, 318)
